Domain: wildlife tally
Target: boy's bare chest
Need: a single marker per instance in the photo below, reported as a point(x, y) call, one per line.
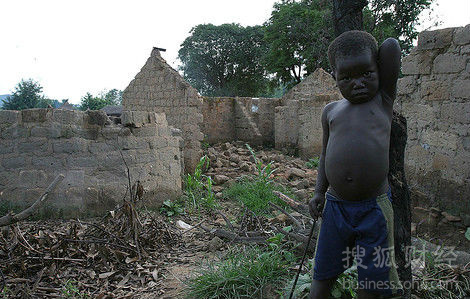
point(356, 120)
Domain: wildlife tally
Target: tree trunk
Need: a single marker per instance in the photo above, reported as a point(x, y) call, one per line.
point(401, 199)
point(347, 15)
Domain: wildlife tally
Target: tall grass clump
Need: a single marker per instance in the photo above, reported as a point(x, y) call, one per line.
point(256, 192)
point(198, 187)
point(245, 273)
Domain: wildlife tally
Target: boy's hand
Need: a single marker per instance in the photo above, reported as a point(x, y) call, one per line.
point(315, 205)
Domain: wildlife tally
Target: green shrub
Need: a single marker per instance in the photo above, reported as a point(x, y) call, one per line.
point(171, 208)
point(242, 274)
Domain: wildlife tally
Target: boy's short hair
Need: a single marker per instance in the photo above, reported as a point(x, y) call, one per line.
point(351, 43)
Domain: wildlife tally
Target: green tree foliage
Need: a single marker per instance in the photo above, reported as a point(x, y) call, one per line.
point(395, 18)
point(27, 95)
point(224, 60)
point(298, 34)
point(90, 102)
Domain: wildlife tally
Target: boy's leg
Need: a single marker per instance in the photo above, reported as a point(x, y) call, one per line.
point(320, 289)
point(363, 294)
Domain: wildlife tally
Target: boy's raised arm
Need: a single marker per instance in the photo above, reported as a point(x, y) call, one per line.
point(389, 66)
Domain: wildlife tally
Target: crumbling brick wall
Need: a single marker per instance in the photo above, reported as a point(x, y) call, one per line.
point(239, 118)
point(159, 88)
point(38, 144)
point(434, 96)
point(298, 121)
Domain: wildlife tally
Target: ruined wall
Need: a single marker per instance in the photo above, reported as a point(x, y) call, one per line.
point(240, 118)
point(159, 88)
point(38, 144)
point(434, 96)
point(298, 121)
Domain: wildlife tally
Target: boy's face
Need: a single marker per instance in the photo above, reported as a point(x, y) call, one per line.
point(357, 77)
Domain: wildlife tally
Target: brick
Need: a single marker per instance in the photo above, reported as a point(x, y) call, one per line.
point(36, 115)
point(14, 132)
point(69, 146)
point(455, 113)
point(7, 146)
point(419, 63)
point(461, 89)
point(449, 63)
point(34, 145)
point(48, 162)
point(32, 178)
point(462, 35)
point(406, 85)
point(16, 162)
point(96, 117)
point(74, 178)
point(53, 131)
point(9, 116)
point(435, 90)
point(68, 117)
point(437, 39)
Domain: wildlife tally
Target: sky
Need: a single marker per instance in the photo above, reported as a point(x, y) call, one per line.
point(73, 47)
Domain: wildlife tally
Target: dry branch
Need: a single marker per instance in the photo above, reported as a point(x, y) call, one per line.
point(11, 218)
point(296, 206)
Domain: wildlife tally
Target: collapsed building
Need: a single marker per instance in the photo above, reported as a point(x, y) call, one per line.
point(164, 120)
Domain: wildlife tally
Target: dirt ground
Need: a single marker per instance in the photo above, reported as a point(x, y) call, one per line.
point(101, 257)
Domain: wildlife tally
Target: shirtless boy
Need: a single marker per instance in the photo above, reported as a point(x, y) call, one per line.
point(352, 187)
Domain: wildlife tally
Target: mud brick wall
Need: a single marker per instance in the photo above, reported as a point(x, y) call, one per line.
point(240, 118)
point(38, 144)
point(434, 95)
point(298, 120)
point(298, 127)
point(159, 88)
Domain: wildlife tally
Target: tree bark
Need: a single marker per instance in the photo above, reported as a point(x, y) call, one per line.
point(347, 15)
point(401, 199)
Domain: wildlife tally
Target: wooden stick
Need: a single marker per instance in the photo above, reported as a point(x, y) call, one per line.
point(11, 218)
point(298, 207)
point(292, 218)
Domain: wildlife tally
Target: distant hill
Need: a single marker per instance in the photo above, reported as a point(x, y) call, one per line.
point(2, 98)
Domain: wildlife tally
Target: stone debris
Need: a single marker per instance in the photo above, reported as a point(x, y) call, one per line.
point(289, 171)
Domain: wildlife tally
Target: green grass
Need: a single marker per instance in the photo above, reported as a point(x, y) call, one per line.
point(245, 273)
point(313, 163)
point(254, 195)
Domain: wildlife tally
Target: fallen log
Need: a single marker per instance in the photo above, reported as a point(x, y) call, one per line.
point(11, 218)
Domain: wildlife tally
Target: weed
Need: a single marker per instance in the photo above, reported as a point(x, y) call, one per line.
point(198, 187)
point(171, 208)
point(244, 273)
point(256, 192)
point(313, 163)
point(70, 290)
point(264, 173)
point(5, 293)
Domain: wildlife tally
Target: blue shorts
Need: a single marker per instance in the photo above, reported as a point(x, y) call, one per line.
point(360, 230)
